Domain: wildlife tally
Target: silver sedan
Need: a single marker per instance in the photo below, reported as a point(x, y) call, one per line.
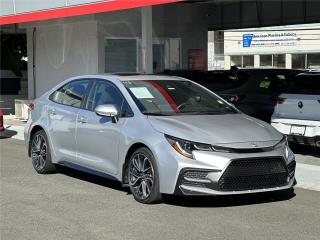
point(156, 134)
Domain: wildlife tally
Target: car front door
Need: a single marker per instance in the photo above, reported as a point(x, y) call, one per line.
point(98, 137)
point(62, 114)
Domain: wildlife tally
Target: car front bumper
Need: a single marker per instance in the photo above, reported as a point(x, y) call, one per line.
point(212, 186)
point(210, 173)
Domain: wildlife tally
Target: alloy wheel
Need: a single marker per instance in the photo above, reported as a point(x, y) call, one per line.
point(141, 176)
point(39, 152)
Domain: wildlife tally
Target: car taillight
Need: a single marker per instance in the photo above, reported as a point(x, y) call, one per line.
point(30, 106)
point(1, 121)
point(233, 98)
point(280, 100)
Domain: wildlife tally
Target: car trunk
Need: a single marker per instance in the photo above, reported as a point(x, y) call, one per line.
point(302, 98)
point(296, 106)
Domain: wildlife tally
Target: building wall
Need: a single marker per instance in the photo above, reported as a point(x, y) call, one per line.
point(183, 21)
point(62, 50)
point(119, 24)
point(75, 46)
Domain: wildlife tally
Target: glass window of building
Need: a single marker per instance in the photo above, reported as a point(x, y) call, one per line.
point(298, 61)
point(313, 60)
point(248, 61)
point(121, 55)
point(236, 61)
point(279, 60)
point(266, 60)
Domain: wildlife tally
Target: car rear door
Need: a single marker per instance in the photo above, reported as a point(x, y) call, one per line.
point(302, 99)
point(62, 114)
point(98, 137)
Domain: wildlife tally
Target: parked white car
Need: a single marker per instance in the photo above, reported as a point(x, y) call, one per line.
point(297, 113)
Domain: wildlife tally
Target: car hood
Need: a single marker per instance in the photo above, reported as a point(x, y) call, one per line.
point(236, 129)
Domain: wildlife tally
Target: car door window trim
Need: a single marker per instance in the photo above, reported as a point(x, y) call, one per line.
point(94, 83)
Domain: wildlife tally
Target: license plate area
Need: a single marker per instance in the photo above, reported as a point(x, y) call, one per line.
point(298, 130)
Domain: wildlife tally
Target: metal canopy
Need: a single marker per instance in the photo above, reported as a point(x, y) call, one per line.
point(20, 11)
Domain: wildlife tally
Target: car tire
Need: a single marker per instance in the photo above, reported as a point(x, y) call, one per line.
point(41, 154)
point(143, 177)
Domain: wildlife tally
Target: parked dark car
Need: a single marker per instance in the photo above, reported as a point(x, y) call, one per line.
point(253, 91)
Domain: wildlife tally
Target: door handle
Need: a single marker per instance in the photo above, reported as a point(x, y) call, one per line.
point(82, 120)
point(52, 112)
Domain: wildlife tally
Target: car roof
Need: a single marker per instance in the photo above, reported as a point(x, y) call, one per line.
point(137, 77)
point(309, 74)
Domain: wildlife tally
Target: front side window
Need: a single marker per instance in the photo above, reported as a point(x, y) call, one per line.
point(106, 93)
point(165, 97)
point(71, 94)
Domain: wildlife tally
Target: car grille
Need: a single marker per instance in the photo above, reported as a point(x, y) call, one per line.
point(254, 173)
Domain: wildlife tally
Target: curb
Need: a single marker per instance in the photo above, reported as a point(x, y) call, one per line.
point(308, 176)
point(16, 132)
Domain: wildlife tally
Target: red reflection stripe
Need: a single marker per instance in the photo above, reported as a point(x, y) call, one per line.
point(165, 94)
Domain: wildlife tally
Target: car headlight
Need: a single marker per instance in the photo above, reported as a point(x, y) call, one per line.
point(290, 155)
point(185, 147)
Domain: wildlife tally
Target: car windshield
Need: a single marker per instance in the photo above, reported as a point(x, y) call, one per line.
point(173, 97)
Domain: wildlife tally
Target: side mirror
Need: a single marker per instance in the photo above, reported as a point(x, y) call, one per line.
point(108, 110)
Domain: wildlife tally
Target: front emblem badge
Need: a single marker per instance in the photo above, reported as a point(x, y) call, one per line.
point(300, 104)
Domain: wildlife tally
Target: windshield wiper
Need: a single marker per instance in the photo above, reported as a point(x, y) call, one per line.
point(156, 114)
point(203, 113)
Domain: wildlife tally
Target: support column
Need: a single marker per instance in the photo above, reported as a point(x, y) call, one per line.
point(146, 43)
point(31, 65)
point(256, 61)
point(288, 61)
point(227, 62)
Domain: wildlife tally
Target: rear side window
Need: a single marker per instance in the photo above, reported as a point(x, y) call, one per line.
point(305, 84)
point(71, 94)
point(219, 81)
point(274, 83)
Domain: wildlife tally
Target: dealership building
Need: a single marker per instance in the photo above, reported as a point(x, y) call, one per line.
point(65, 38)
point(293, 47)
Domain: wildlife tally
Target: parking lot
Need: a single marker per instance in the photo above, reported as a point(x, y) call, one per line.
point(73, 205)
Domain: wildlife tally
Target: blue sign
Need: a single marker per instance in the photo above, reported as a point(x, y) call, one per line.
point(246, 40)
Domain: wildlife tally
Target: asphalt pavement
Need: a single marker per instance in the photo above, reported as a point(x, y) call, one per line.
point(74, 205)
